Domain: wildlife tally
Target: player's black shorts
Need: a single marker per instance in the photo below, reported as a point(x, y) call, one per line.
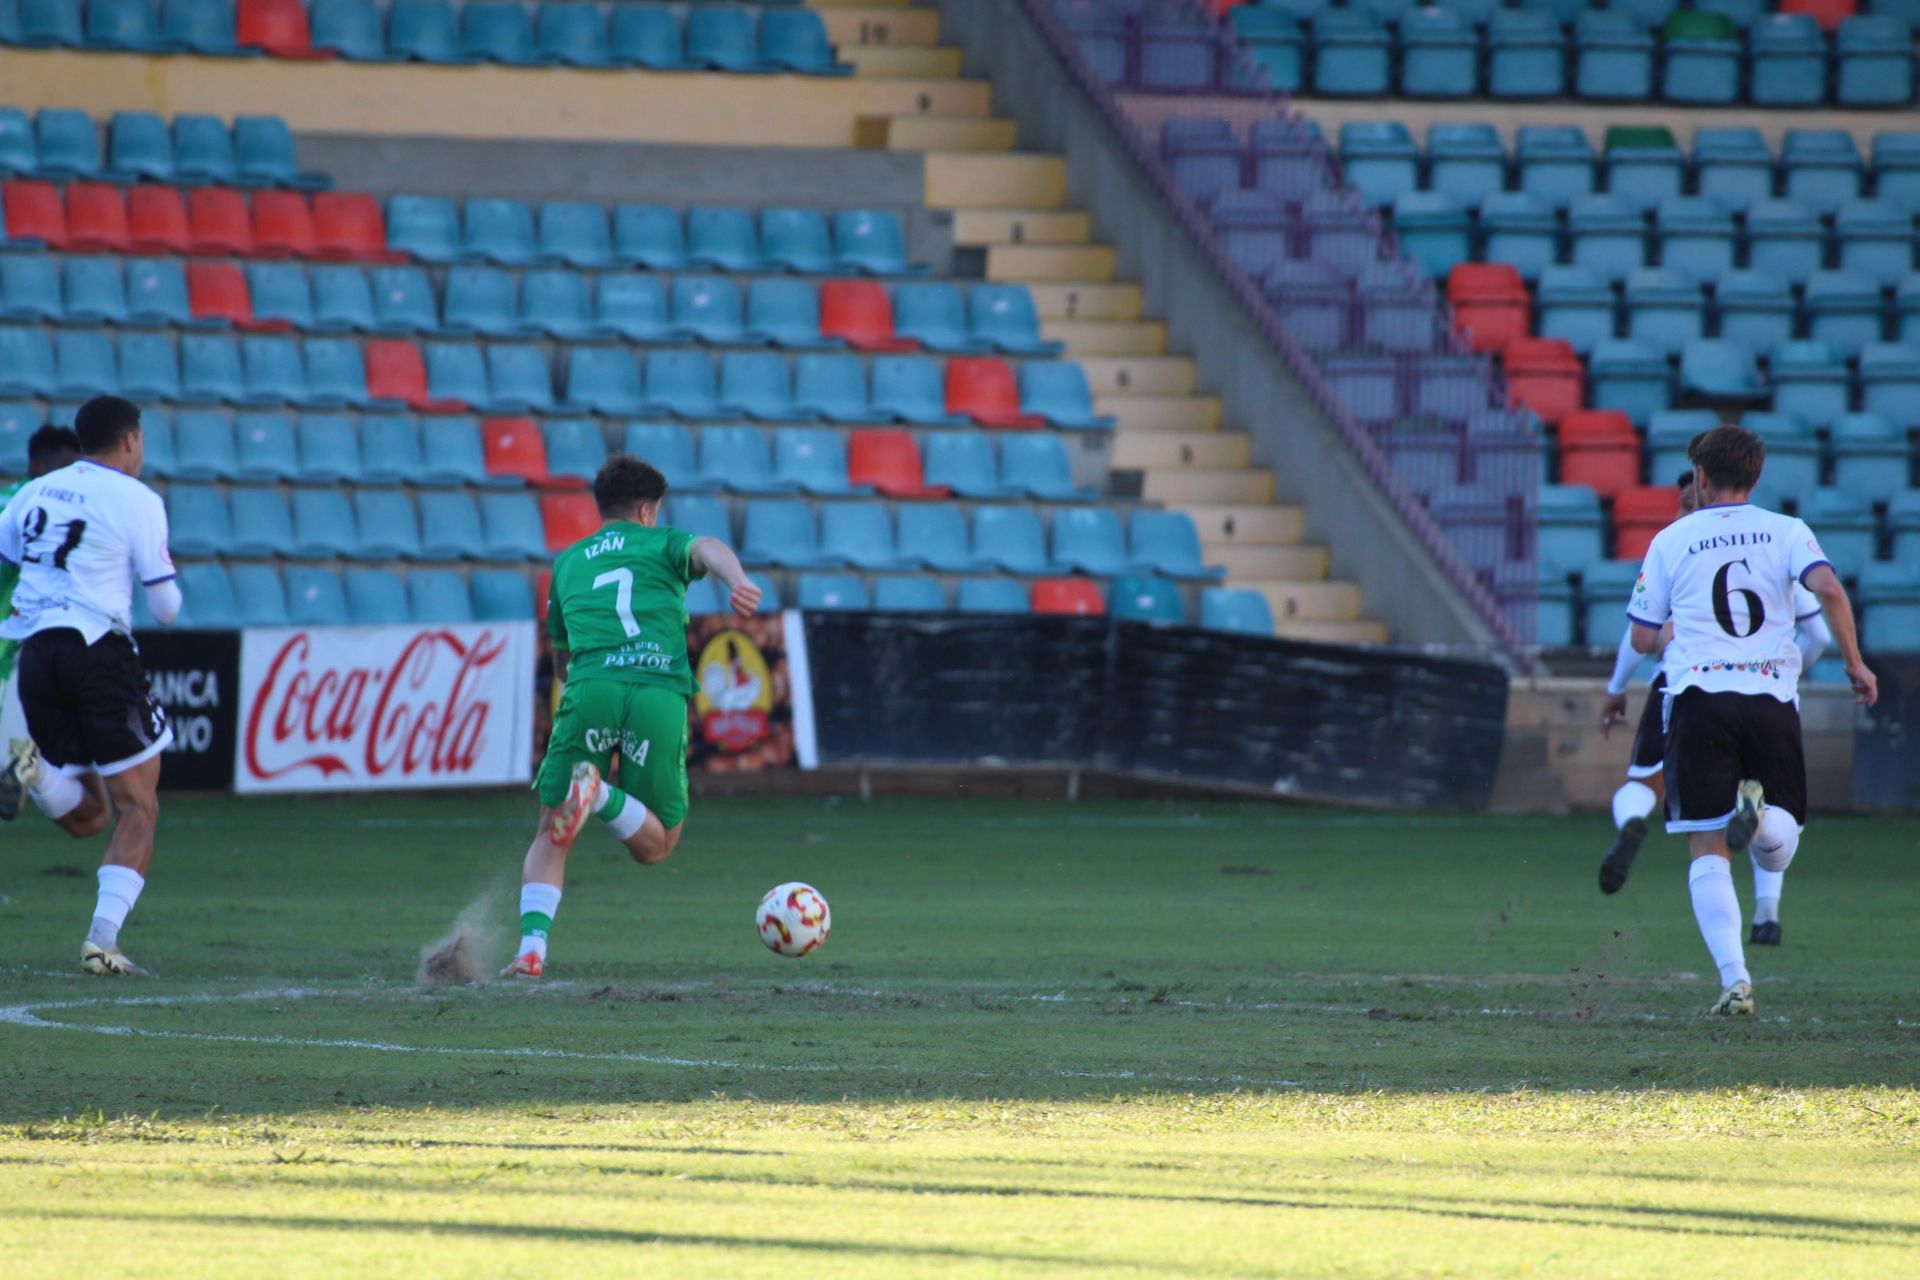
point(1650, 739)
point(89, 706)
point(1715, 741)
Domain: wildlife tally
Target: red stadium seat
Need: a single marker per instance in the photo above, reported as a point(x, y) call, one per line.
point(278, 26)
point(34, 212)
point(985, 389)
point(1068, 595)
point(348, 227)
point(1638, 514)
point(218, 222)
point(282, 225)
point(96, 218)
point(157, 220)
point(1490, 302)
point(514, 447)
point(1599, 449)
point(217, 291)
point(889, 460)
point(861, 312)
point(1828, 13)
point(569, 517)
point(397, 371)
point(1544, 375)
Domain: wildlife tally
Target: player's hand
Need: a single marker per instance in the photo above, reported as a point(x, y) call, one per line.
point(1866, 689)
point(745, 598)
point(1612, 712)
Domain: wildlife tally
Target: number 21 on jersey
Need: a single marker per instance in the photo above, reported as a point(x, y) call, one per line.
point(35, 528)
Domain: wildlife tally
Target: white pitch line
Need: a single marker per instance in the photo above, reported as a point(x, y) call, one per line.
point(24, 1016)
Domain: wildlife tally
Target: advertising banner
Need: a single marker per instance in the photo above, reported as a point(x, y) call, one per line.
point(195, 675)
point(751, 712)
point(365, 708)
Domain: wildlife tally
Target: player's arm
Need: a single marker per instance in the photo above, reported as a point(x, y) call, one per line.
point(153, 562)
point(1825, 585)
point(1651, 604)
point(710, 555)
point(1614, 710)
point(1811, 637)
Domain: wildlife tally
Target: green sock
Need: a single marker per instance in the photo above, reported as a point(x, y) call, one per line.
point(535, 924)
point(610, 808)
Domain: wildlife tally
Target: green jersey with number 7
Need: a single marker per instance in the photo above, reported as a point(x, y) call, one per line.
point(618, 604)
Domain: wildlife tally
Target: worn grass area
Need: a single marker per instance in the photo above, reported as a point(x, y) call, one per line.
point(1045, 1039)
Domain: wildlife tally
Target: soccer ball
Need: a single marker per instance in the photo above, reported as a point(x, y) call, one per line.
point(793, 919)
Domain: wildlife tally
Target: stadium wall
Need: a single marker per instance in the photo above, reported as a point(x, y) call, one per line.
point(1370, 544)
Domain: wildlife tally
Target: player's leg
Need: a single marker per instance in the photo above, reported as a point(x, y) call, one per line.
point(135, 790)
point(1641, 792)
point(648, 811)
point(1777, 768)
point(585, 731)
point(1703, 775)
point(50, 761)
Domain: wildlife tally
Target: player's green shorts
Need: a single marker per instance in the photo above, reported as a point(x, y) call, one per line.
point(645, 724)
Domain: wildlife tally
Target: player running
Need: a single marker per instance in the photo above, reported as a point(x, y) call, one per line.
point(81, 536)
point(617, 617)
point(1736, 774)
point(1644, 786)
point(48, 449)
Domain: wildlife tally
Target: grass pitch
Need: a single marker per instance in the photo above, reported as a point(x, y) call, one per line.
point(1044, 1039)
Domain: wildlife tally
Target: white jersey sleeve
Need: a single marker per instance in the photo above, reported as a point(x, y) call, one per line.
point(1804, 555)
point(10, 533)
point(152, 561)
point(1651, 603)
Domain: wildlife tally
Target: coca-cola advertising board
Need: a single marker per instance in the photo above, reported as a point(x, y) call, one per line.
point(375, 708)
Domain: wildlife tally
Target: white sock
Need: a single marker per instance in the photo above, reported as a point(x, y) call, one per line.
point(1633, 800)
point(1766, 891)
point(1717, 909)
point(623, 814)
point(57, 794)
point(119, 890)
point(541, 901)
point(1775, 841)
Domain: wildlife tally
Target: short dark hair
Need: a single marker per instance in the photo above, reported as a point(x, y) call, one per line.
point(1730, 455)
point(1686, 478)
point(103, 422)
point(624, 483)
point(44, 444)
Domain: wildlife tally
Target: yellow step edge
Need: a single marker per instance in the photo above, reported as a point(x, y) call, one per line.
point(1164, 375)
point(881, 24)
point(933, 133)
point(1242, 561)
point(1107, 337)
point(1140, 450)
point(1183, 487)
point(1359, 631)
point(903, 61)
point(962, 180)
point(1050, 262)
point(1145, 412)
point(988, 227)
point(1087, 300)
point(1309, 601)
point(1225, 525)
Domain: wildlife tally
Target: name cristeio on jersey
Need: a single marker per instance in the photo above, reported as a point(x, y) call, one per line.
point(1727, 576)
point(80, 536)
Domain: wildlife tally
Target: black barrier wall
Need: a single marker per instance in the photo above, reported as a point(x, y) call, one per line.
point(195, 675)
point(1886, 751)
point(1315, 721)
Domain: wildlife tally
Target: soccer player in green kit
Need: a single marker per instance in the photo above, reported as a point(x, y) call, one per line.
point(617, 617)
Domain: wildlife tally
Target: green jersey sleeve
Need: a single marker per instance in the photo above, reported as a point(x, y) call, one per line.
point(678, 550)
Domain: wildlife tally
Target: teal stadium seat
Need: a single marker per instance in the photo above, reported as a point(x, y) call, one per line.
point(724, 38)
point(327, 449)
point(451, 452)
point(1793, 458)
point(1057, 391)
point(1720, 370)
point(1843, 310)
point(911, 389)
point(1091, 540)
point(203, 151)
point(388, 527)
point(1167, 542)
point(1439, 54)
point(1526, 54)
point(1873, 62)
point(813, 459)
point(1903, 522)
point(574, 231)
point(934, 534)
point(1236, 610)
point(1011, 539)
point(1844, 524)
point(1785, 239)
point(67, 143)
point(1755, 309)
point(156, 425)
point(390, 451)
point(279, 292)
point(833, 592)
point(1871, 457)
point(1669, 432)
point(19, 153)
point(342, 300)
point(631, 306)
point(1467, 161)
point(204, 447)
point(1821, 168)
point(449, 525)
point(1002, 317)
point(1644, 166)
point(785, 313)
point(1035, 463)
point(424, 31)
point(1433, 229)
point(668, 447)
point(1575, 305)
point(1665, 309)
point(376, 598)
point(428, 227)
point(511, 528)
point(681, 383)
point(722, 237)
point(1352, 54)
point(1890, 596)
point(156, 291)
point(1875, 239)
point(964, 462)
point(700, 515)
point(354, 29)
point(1630, 376)
point(1274, 41)
point(139, 145)
point(499, 231)
point(991, 595)
point(262, 523)
point(198, 523)
point(1786, 61)
point(30, 288)
point(871, 241)
point(274, 372)
point(1555, 163)
point(1605, 586)
point(859, 534)
point(796, 40)
point(84, 365)
point(797, 239)
point(323, 525)
point(204, 26)
point(602, 380)
point(264, 448)
point(648, 36)
point(709, 308)
point(648, 235)
point(1702, 59)
point(264, 155)
point(402, 299)
point(1733, 166)
point(575, 34)
point(832, 386)
point(260, 596)
point(933, 314)
point(1519, 229)
point(207, 598)
point(123, 25)
point(1145, 598)
point(1607, 235)
point(909, 595)
point(481, 300)
point(1896, 168)
point(1379, 158)
point(1613, 57)
point(781, 531)
point(501, 595)
point(1906, 310)
point(315, 598)
point(575, 448)
point(1889, 382)
point(1570, 534)
point(336, 374)
point(738, 458)
point(1696, 236)
point(499, 31)
point(1809, 380)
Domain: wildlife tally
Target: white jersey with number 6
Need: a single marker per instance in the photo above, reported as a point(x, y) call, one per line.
point(80, 536)
point(1726, 576)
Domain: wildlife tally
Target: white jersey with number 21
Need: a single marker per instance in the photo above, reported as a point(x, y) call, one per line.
point(80, 536)
point(1726, 575)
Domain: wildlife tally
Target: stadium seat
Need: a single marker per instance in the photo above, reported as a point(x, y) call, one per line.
point(835, 388)
point(1037, 465)
point(1520, 230)
point(1903, 521)
point(575, 34)
point(1665, 309)
point(1314, 302)
point(204, 446)
point(391, 452)
point(97, 219)
point(964, 462)
point(1526, 55)
point(669, 447)
point(1638, 514)
point(208, 601)
point(934, 534)
point(216, 291)
point(599, 380)
point(1843, 310)
point(482, 300)
point(1236, 610)
point(1167, 542)
point(1090, 540)
point(1906, 307)
point(708, 308)
point(1274, 40)
point(219, 222)
point(1203, 156)
point(797, 239)
point(273, 370)
point(122, 25)
point(84, 365)
point(1631, 376)
point(515, 450)
point(889, 461)
point(1821, 168)
point(1889, 382)
point(1490, 304)
point(66, 141)
point(1787, 61)
point(1433, 230)
point(681, 383)
point(512, 528)
point(149, 368)
point(263, 145)
point(376, 598)
point(1755, 309)
point(35, 214)
point(895, 594)
point(1352, 54)
point(342, 300)
point(424, 31)
point(909, 389)
point(348, 226)
point(782, 532)
point(722, 237)
point(156, 426)
point(1784, 239)
point(631, 306)
point(648, 235)
point(567, 518)
point(575, 450)
point(991, 595)
point(450, 451)
point(1890, 594)
point(1439, 55)
point(1875, 239)
point(1570, 527)
point(30, 288)
point(203, 150)
point(1576, 306)
point(1702, 59)
point(1544, 375)
point(264, 448)
point(323, 525)
point(1669, 432)
point(519, 380)
point(198, 520)
point(1011, 538)
point(647, 36)
point(871, 241)
point(859, 534)
point(499, 231)
point(1075, 596)
point(1845, 525)
point(1379, 159)
point(1613, 56)
point(1871, 456)
point(703, 517)
point(1809, 380)
point(1696, 236)
point(1554, 162)
point(832, 591)
point(814, 460)
point(1733, 166)
point(1257, 231)
point(262, 523)
point(260, 598)
point(449, 525)
point(573, 231)
point(1055, 391)
point(139, 145)
point(1466, 161)
point(738, 458)
point(757, 384)
point(1605, 587)
point(499, 31)
point(1873, 62)
point(401, 298)
point(157, 221)
point(934, 315)
point(315, 598)
point(1599, 450)
point(327, 449)
point(724, 38)
point(1003, 318)
point(786, 313)
point(442, 378)
point(984, 389)
point(860, 313)
point(1146, 598)
point(1607, 235)
point(427, 227)
point(19, 153)
point(498, 595)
